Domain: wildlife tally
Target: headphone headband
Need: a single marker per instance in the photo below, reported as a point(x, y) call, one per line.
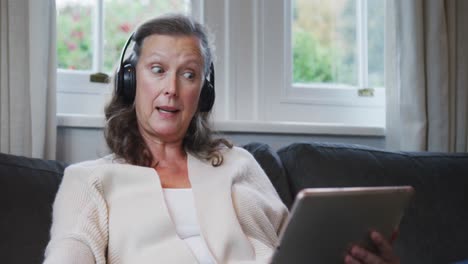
point(127, 43)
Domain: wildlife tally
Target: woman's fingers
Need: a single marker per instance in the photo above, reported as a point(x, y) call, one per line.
point(385, 252)
point(350, 260)
point(364, 256)
point(384, 247)
point(394, 236)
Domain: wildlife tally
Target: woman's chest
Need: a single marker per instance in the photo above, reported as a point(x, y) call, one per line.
point(174, 178)
point(140, 225)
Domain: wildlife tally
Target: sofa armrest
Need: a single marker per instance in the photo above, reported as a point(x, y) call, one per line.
point(27, 192)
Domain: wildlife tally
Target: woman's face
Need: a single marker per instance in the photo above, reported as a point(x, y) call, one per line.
point(169, 76)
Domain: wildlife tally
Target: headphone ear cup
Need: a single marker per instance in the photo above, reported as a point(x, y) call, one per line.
point(118, 82)
point(127, 83)
point(207, 97)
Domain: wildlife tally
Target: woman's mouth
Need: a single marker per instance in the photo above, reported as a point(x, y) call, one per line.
point(167, 109)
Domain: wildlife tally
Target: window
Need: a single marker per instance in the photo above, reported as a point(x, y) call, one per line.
point(334, 54)
point(294, 66)
point(259, 61)
point(329, 41)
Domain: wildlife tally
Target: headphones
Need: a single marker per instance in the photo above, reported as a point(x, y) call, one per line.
point(125, 83)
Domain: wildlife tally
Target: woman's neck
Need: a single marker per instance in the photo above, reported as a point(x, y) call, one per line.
point(163, 152)
point(168, 155)
point(171, 165)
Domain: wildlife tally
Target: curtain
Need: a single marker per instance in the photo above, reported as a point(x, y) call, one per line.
point(28, 78)
point(426, 75)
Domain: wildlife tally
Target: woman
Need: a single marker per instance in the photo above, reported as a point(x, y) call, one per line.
point(170, 193)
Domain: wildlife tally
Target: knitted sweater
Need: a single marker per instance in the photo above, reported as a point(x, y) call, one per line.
point(111, 212)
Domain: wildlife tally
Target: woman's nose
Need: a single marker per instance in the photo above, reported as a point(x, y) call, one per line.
point(171, 86)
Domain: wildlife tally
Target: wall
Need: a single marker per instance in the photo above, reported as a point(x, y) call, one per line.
point(78, 144)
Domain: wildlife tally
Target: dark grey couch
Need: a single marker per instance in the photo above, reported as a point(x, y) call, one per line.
point(433, 230)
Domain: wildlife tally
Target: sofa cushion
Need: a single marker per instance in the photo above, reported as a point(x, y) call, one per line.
point(271, 164)
point(434, 227)
point(27, 191)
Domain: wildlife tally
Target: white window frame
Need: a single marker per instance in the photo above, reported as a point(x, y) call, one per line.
point(253, 49)
point(331, 100)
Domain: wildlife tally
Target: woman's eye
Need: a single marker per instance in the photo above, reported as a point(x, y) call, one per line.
point(157, 69)
point(189, 75)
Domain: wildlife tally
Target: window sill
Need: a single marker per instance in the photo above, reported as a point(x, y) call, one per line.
point(80, 120)
point(90, 121)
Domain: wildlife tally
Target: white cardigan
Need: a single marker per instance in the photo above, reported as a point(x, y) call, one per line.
point(110, 212)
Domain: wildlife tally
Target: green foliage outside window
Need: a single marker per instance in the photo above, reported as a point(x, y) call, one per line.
point(325, 44)
point(323, 35)
point(312, 61)
point(74, 42)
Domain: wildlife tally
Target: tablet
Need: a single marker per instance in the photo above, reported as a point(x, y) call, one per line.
point(325, 222)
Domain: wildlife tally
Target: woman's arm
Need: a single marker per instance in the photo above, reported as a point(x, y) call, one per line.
point(259, 208)
point(69, 251)
point(79, 226)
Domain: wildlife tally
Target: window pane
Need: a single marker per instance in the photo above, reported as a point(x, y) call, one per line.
point(376, 31)
point(123, 16)
point(74, 31)
point(324, 41)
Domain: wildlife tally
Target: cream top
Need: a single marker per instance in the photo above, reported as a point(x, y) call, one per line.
point(110, 212)
point(181, 207)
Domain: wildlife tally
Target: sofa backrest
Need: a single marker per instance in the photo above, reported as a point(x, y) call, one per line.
point(434, 229)
point(435, 226)
point(27, 191)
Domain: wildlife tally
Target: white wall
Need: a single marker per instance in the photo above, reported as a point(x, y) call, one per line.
point(79, 144)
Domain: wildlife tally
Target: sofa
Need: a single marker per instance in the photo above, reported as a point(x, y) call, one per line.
point(434, 228)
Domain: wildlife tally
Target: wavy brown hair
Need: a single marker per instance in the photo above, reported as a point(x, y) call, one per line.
point(121, 130)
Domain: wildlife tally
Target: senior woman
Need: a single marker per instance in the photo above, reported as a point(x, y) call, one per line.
point(170, 192)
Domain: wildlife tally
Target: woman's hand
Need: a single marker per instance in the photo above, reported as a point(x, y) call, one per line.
point(385, 252)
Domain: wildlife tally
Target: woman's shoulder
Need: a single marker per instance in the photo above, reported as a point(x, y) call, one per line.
point(109, 159)
point(85, 169)
point(237, 151)
point(239, 156)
